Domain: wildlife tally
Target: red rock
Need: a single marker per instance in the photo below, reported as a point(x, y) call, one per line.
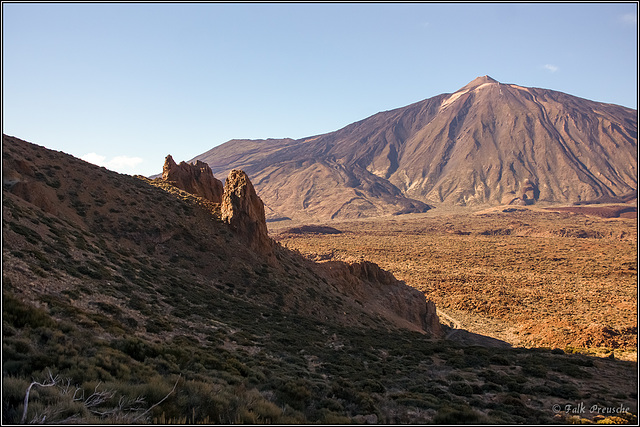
point(195, 178)
point(243, 210)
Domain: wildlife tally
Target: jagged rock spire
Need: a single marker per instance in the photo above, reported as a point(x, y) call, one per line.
point(195, 178)
point(243, 210)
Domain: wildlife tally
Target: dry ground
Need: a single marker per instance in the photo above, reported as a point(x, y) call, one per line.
point(529, 276)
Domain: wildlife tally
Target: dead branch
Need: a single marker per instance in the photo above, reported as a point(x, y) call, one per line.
point(92, 402)
point(50, 382)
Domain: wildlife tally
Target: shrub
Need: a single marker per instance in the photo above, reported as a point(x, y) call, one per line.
point(461, 389)
point(371, 386)
point(296, 393)
point(135, 347)
point(490, 387)
point(265, 411)
point(565, 391)
point(13, 390)
point(57, 400)
point(19, 314)
point(30, 235)
point(499, 360)
point(456, 415)
point(572, 370)
point(535, 370)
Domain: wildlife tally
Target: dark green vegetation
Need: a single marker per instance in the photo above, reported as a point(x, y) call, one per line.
point(123, 291)
point(264, 366)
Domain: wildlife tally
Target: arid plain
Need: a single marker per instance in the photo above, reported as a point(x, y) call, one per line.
point(528, 276)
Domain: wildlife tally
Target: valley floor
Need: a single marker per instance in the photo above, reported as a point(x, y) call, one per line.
point(530, 276)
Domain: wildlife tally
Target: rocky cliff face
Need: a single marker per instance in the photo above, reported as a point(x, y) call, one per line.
point(378, 290)
point(240, 206)
point(195, 178)
point(60, 210)
point(243, 210)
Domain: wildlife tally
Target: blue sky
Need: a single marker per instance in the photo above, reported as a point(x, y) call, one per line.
point(125, 84)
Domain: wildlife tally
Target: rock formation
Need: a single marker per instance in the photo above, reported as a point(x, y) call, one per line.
point(529, 191)
point(240, 206)
point(529, 194)
point(195, 178)
point(243, 210)
point(380, 290)
point(377, 289)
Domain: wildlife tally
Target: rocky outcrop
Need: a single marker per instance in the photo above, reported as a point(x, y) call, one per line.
point(529, 194)
point(530, 191)
point(374, 288)
point(195, 178)
point(243, 210)
point(379, 290)
point(21, 179)
point(240, 206)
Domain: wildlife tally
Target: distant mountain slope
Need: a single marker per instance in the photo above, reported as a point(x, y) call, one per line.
point(487, 143)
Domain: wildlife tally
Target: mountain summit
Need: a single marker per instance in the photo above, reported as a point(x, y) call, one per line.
point(488, 143)
point(479, 81)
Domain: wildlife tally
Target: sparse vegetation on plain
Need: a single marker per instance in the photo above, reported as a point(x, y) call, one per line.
point(530, 277)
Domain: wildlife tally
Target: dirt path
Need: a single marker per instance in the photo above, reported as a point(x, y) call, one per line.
point(476, 332)
point(449, 321)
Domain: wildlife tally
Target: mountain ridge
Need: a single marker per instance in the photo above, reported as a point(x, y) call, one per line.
point(479, 146)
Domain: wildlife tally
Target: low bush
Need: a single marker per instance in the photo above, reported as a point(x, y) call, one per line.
point(456, 415)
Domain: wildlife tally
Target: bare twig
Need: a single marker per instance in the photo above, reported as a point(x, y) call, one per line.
point(98, 397)
point(156, 404)
point(126, 406)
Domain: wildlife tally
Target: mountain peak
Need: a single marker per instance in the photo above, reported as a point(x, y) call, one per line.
point(484, 79)
point(480, 81)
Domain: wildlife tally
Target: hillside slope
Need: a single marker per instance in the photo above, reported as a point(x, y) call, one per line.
point(487, 143)
point(95, 217)
point(134, 301)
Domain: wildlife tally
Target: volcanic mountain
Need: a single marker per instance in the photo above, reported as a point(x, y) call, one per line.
point(487, 143)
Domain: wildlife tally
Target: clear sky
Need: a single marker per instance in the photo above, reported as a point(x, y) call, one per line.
point(125, 84)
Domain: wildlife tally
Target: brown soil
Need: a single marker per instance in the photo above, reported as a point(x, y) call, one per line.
point(613, 211)
point(528, 276)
